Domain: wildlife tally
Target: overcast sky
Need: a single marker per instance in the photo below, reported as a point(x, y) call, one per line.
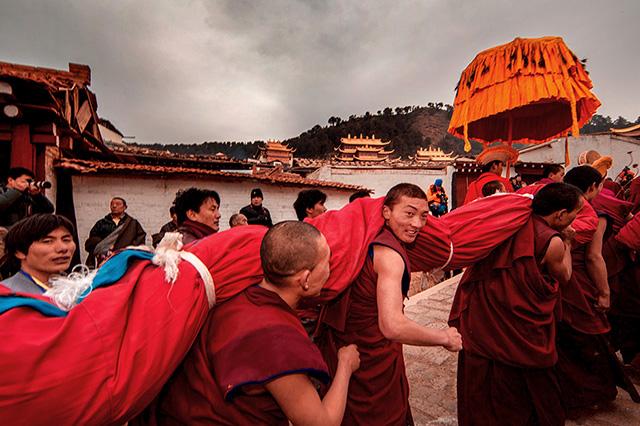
point(196, 70)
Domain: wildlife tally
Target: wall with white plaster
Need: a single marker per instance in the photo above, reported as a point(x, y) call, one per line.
point(149, 199)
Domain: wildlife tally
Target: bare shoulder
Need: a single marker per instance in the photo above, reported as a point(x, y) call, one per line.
point(386, 259)
point(555, 250)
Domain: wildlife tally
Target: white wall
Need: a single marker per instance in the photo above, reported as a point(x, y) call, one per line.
point(149, 199)
point(616, 147)
point(381, 180)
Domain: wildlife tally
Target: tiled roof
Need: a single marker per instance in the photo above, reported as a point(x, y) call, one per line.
point(87, 167)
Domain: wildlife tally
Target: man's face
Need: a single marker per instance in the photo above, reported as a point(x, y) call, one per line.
point(320, 272)
point(209, 214)
point(317, 209)
point(20, 183)
point(497, 168)
point(49, 255)
point(406, 217)
point(557, 177)
point(117, 207)
point(256, 201)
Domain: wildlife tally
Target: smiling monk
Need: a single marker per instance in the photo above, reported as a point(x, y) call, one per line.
point(370, 315)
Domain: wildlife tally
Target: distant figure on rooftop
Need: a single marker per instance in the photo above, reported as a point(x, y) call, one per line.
point(310, 203)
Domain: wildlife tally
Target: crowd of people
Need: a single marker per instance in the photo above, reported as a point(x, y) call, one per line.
point(537, 323)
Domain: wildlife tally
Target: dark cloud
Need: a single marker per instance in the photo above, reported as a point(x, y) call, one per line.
point(188, 71)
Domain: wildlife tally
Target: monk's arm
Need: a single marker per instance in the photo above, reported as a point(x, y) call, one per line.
point(558, 259)
point(596, 267)
point(393, 324)
point(299, 400)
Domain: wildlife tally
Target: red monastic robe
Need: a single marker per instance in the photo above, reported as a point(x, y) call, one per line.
point(634, 195)
point(474, 190)
point(616, 209)
point(505, 310)
point(379, 390)
point(246, 342)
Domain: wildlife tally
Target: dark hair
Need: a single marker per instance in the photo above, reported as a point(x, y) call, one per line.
point(583, 177)
point(16, 172)
point(492, 187)
point(233, 220)
point(306, 200)
point(121, 199)
point(556, 196)
point(551, 168)
point(490, 164)
point(403, 190)
point(33, 228)
point(287, 248)
point(359, 194)
point(192, 199)
point(172, 210)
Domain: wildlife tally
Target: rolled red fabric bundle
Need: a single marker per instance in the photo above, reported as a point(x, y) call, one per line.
point(629, 235)
point(479, 227)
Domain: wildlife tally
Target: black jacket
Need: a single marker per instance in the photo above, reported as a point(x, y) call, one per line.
point(16, 205)
point(257, 215)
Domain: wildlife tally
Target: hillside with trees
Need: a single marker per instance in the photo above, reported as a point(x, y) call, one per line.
point(408, 128)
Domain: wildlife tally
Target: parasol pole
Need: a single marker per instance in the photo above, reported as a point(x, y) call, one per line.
point(510, 138)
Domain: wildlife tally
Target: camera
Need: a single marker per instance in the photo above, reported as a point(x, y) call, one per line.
point(43, 184)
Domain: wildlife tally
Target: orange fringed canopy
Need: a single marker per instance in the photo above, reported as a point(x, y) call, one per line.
point(527, 91)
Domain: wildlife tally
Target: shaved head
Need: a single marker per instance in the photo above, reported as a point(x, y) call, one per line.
point(288, 248)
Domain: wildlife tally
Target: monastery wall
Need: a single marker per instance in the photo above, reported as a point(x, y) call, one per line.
point(381, 180)
point(616, 147)
point(149, 198)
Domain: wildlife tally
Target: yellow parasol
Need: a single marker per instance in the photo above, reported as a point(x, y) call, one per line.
point(528, 91)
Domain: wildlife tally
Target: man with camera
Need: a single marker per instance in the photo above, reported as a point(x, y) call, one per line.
point(22, 196)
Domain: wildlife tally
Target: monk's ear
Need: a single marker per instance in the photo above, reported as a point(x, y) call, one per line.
point(386, 212)
point(20, 255)
point(191, 215)
point(302, 279)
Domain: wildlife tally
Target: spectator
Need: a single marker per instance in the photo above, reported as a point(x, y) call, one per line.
point(171, 226)
point(237, 219)
point(437, 198)
point(43, 246)
point(198, 212)
point(310, 203)
point(20, 198)
point(115, 231)
point(359, 194)
point(255, 212)
point(493, 187)
point(552, 173)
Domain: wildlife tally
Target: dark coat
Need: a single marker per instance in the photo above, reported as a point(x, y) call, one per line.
point(132, 235)
point(257, 215)
point(16, 205)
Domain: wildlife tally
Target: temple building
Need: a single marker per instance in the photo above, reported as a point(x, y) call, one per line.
point(363, 149)
point(275, 151)
point(430, 154)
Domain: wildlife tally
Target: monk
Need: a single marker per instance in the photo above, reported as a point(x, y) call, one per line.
point(505, 310)
point(370, 314)
point(253, 362)
point(491, 171)
point(585, 367)
point(551, 173)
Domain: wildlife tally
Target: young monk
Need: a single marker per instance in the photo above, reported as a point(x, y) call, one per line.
point(370, 315)
point(504, 308)
point(253, 362)
point(585, 368)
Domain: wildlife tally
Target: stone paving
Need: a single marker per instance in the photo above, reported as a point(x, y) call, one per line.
point(432, 371)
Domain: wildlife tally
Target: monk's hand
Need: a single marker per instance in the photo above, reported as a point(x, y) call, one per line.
point(349, 357)
point(568, 233)
point(454, 339)
point(603, 302)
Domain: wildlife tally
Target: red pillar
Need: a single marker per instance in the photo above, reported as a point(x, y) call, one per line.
point(22, 152)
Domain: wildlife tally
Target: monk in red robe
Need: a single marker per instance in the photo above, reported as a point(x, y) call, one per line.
point(505, 309)
point(491, 170)
point(586, 368)
point(551, 173)
point(253, 362)
point(370, 314)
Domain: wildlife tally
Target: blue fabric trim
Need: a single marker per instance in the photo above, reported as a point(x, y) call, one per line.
point(110, 272)
point(14, 301)
point(321, 375)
